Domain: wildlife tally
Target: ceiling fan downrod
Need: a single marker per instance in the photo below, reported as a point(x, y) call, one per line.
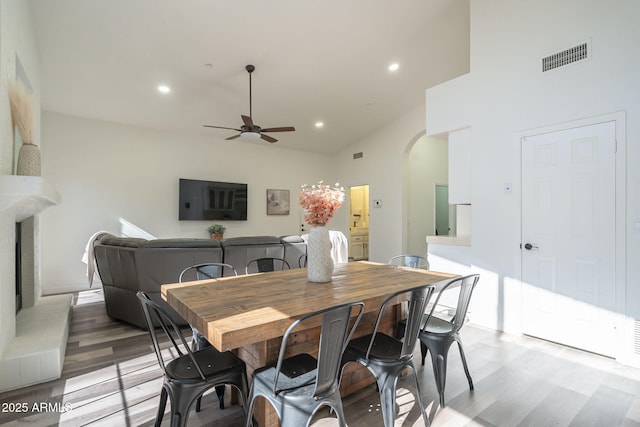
point(250, 68)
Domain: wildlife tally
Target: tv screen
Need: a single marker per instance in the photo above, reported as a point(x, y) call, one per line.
point(212, 200)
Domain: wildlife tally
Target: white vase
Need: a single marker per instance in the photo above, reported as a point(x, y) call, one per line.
point(319, 261)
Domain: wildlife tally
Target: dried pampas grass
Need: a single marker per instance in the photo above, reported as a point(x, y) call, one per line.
point(21, 111)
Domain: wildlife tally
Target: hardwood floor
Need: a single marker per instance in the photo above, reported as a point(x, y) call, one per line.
point(111, 377)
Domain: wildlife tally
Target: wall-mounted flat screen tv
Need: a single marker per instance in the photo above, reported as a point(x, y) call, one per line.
point(212, 200)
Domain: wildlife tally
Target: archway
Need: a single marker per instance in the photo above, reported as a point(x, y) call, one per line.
point(425, 167)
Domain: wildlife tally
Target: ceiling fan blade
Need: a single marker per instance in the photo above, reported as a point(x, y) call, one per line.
point(281, 129)
point(233, 137)
point(247, 121)
point(220, 127)
point(268, 138)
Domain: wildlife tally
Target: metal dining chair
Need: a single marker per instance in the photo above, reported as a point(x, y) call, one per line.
point(302, 261)
point(408, 260)
point(209, 270)
point(263, 265)
point(411, 261)
point(437, 334)
point(189, 374)
point(387, 357)
point(299, 385)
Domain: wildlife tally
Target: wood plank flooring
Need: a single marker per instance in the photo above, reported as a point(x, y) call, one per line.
point(111, 377)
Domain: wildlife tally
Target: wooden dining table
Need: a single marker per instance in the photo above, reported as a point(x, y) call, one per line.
point(250, 313)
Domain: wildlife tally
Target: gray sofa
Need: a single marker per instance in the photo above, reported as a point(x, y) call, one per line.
point(127, 265)
point(238, 251)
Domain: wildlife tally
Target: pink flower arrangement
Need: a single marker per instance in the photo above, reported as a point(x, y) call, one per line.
point(320, 202)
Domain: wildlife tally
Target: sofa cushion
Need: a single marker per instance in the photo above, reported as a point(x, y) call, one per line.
point(123, 242)
point(181, 243)
point(291, 239)
point(251, 240)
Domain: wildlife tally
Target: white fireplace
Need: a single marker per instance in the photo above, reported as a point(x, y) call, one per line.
point(33, 340)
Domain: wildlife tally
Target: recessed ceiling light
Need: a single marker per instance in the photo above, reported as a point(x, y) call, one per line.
point(319, 124)
point(394, 66)
point(164, 89)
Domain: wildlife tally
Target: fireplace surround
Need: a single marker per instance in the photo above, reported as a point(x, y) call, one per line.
point(33, 339)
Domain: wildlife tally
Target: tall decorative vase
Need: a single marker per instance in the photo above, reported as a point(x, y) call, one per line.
point(319, 261)
point(28, 160)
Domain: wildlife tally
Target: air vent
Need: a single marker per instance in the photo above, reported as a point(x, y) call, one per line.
point(636, 336)
point(566, 57)
point(358, 155)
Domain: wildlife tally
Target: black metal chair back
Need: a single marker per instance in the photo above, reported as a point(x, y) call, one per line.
point(302, 261)
point(408, 260)
point(188, 374)
point(263, 265)
point(299, 385)
point(209, 270)
point(388, 357)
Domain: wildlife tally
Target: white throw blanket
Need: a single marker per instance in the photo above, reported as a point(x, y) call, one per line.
point(340, 247)
point(89, 257)
point(127, 229)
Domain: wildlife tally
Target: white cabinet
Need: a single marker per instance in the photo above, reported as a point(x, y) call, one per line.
point(460, 167)
point(359, 247)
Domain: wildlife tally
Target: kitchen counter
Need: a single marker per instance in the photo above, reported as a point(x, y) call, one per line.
point(450, 240)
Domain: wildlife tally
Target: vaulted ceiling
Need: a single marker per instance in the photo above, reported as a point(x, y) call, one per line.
point(315, 61)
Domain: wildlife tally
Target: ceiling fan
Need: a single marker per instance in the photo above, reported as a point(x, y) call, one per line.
point(249, 129)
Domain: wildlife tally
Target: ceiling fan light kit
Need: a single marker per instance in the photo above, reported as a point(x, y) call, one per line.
point(249, 130)
point(250, 135)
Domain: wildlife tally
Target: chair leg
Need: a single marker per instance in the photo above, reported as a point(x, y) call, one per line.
point(387, 386)
point(181, 400)
point(340, 414)
point(400, 327)
point(161, 407)
point(419, 396)
point(464, 363)
point(423, 351)
point(441, 375)
point(198, 342)
point(439, 362)
point(220, 392)
point(248, 421)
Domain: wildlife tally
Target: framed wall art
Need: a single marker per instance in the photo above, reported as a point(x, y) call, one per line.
point(277, 202)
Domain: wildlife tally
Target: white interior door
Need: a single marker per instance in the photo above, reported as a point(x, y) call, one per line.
point(568, 237)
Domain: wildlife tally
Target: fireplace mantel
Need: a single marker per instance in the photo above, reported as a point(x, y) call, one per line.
point(26, 196)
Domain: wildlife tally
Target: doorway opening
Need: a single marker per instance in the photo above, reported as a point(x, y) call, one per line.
point(359, 223)
point(443, 211)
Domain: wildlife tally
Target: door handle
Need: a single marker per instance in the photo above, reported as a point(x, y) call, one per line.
point(529, 246)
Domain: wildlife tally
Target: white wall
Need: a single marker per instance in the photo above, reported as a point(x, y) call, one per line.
point(105, 171)
point(383, 167)
point(16, 38)
point(506, 93)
